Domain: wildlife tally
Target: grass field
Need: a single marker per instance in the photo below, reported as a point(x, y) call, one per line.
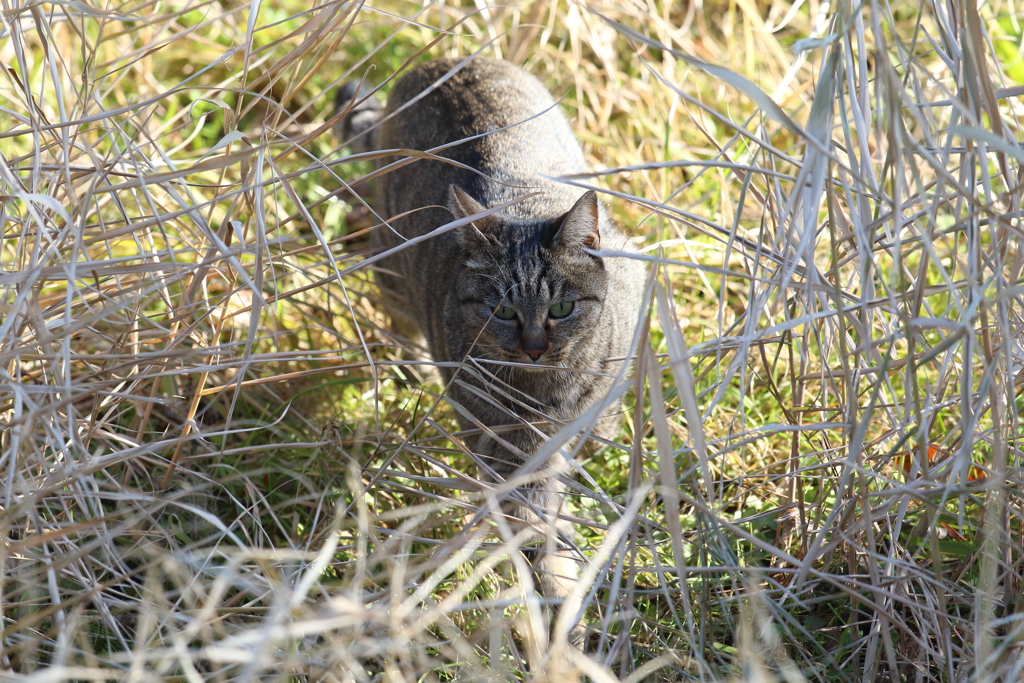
point(217, 464)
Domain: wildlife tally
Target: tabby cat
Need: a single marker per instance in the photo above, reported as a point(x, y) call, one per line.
point(531, 324)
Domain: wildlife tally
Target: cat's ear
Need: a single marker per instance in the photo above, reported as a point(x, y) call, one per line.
point(478, 235)
point(579, 226)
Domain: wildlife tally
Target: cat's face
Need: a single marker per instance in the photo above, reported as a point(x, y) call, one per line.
point(529, 292)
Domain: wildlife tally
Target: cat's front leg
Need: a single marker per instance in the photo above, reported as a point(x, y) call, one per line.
point(555, 563)
point(554, 560)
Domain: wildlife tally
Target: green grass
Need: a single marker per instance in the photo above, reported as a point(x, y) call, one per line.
point(217, 463)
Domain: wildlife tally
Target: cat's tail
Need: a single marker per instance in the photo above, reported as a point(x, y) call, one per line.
point(357, 128)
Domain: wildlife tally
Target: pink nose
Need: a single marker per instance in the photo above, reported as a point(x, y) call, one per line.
point(534, 354)
point(534, 342)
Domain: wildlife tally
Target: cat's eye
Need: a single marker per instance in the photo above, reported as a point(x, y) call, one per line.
point(562, 309)
point(504, 313)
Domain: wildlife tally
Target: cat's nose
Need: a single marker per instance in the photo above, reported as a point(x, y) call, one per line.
point(534, 343)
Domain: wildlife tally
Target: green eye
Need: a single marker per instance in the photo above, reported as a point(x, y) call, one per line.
point(504, 313)
point(561, 310)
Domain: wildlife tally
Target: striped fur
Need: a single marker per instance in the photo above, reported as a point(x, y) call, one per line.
point(528, 258)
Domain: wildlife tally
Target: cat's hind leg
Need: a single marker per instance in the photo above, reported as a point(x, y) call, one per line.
point(357, 129)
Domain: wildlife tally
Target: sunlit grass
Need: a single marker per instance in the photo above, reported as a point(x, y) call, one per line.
point(218, 463)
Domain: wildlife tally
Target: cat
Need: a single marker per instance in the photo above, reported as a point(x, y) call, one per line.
point(539, 323)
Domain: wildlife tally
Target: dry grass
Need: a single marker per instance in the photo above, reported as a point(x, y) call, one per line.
point(218, 465)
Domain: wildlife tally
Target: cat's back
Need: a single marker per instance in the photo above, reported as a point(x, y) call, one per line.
point(523, 134)
point(481, 90)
